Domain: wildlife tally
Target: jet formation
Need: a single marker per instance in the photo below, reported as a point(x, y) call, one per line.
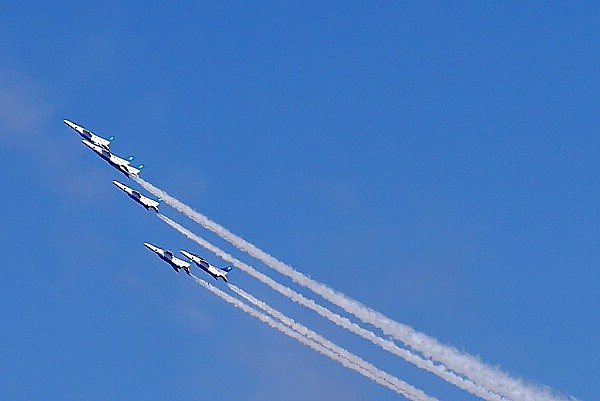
point(101, 146)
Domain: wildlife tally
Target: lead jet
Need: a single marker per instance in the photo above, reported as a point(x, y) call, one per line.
point(138, 197)
point(89, 136)
point(123, 165)
point(168, 257)
point(216, 272)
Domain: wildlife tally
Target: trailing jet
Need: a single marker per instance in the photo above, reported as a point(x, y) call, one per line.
point(138, 197)
point(89, 136)
point(168, 257)
point(123, 165)
point(217, 273)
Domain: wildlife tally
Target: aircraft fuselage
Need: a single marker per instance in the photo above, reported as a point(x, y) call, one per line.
point(215, 272)
point(168, 257)
point(139, 198)
point(89, 136)
point(120, 164)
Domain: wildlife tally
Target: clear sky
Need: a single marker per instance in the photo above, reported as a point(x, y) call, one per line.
point(438, 162)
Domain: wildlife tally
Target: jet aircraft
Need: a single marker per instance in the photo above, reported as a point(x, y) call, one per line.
point(89, 136)
point(217, 273)
point(123, 165)
point(168, 257)
point(139, 198)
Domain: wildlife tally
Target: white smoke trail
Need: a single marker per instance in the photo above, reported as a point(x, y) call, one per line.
point(387, 345)
point(310, 334)
point(491, 378)
point(364, 369)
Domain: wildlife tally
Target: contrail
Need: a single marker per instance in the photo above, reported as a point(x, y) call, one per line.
point(405, 389)
point(310, 334)
point(491, 378)
point(387, 345)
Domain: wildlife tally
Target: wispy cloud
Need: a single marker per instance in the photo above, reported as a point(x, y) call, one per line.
point(23, 110)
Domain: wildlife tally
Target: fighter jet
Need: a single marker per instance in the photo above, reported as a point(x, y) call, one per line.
point(89, 136)
point(139, 198)
point(217, 273)
point(168, 257)
point(123, 165)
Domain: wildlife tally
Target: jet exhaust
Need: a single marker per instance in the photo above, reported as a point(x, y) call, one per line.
point(356, 364)
point(492, 379)
point(425, 364)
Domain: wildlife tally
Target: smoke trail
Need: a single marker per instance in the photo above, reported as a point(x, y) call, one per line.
point(306, 332)
point(491, 378)
point(387, 345)
point(405, 390)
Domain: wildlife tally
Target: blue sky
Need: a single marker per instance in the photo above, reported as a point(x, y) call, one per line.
point(437, 162)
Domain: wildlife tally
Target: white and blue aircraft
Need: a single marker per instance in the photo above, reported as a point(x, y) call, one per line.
point(123, 165)
point(138, 197)
point(168, 257)
point(216, 272)
point(89, 136)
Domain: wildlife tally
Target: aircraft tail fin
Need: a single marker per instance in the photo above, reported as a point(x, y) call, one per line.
point(227, 269)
